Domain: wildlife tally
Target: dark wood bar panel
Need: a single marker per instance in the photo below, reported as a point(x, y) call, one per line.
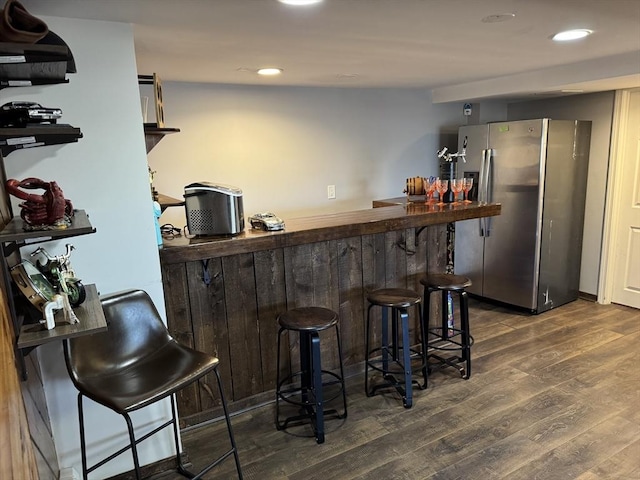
point(223, 295)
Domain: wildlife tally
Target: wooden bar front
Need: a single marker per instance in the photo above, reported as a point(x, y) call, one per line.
point(223, 295)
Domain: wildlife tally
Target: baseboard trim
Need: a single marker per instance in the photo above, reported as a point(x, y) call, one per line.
point(588, 296)
point(161, 466)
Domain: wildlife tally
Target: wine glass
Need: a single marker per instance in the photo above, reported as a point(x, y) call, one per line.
point(426, 183)
point(456, 188)
point(432, 188)
point(467, 184)
point(429, 184)
point(441, 187)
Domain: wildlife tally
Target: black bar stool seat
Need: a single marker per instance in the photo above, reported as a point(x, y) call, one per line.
point(447, 338)
point(446, 281)
point(306, 388)
point(395, 356)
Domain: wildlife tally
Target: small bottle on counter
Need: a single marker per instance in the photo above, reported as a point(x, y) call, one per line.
point(157, 211)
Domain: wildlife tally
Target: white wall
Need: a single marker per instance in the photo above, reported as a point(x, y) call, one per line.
point(597, 107)
point(105, 173)
point(283, 146)
point(487, 112)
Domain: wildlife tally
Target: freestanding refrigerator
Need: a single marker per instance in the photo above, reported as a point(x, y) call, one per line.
point(529, 255)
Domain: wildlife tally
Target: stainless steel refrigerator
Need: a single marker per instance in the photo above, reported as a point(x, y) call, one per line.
point(529, 255)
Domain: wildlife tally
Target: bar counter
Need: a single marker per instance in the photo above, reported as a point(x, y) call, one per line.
point(397, 215)
point(223, 295)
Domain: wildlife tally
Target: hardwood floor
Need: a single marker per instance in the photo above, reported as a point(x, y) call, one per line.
point(552, 396)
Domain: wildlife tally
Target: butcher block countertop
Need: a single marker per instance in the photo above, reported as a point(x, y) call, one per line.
point(397, 214)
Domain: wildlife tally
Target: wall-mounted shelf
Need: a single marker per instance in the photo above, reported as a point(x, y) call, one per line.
point(12, 237)
point(32, 64)
point(153, 134)
point(21, 65)
point(166, 201)
point(91, 320)
point(14, 232)
point(36, 136)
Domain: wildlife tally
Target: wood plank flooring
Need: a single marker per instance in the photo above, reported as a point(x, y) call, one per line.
point(552, 396)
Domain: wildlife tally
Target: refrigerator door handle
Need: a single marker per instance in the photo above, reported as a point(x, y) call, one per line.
point(488, 187)
point(484, 174)
point(481, 190)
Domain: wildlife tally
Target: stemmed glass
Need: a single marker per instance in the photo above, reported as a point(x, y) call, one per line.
point(456, 188)
point(441, 187)
point(467, 184)
point(429, 184)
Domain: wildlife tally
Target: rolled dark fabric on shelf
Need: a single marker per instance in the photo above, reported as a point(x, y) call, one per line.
point(17, 25)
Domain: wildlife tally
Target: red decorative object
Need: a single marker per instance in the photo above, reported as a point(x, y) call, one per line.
point(39, 212)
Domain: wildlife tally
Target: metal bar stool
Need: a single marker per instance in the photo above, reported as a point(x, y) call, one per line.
point(447, 338)
point(309, 393)
point(396, 356)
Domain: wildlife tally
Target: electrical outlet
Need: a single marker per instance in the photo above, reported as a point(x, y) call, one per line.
point(331, 191)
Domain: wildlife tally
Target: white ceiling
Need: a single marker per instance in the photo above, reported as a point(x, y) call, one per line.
point(441, 45)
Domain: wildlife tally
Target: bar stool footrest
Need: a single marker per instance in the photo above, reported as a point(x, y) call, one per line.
point(376, 361)
point(308, 410)
point(454, 362)
point(309, 414)
point(286, 394)
point(399, 386)
point(437, 331)
point(448, 344)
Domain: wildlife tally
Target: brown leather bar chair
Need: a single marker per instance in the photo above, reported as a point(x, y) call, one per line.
point(134, 364)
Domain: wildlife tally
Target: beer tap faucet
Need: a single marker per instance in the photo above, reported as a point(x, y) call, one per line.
point(448, 157)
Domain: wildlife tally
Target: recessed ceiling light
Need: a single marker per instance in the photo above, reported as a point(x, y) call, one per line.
point(269, 71)
point(347, 76)
point(500, 17)
point(300, 3)
point(571, 34)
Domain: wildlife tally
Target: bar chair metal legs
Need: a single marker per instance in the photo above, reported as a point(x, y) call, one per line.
point(310, 393)
point(395, 355)
point(446, 338)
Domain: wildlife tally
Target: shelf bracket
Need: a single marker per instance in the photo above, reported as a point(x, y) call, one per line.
point(418, 232)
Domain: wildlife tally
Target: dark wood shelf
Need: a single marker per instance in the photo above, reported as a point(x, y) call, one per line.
point(91, 318)
point(153, 134)
point(32, 64)
point(24, 65)
point(36, 136)
point(165, 202)
point(31, 83)
point(14, 231)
